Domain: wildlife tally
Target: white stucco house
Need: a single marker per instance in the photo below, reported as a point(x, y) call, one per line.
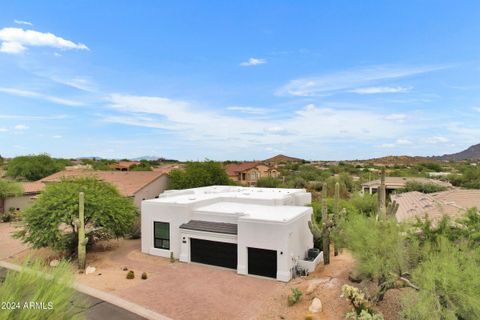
point(257, 231)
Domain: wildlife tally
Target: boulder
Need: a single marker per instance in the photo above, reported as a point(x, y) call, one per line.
point(54, 263)
point(315, 306)
point(90, 269)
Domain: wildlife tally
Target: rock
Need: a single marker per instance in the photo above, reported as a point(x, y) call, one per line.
point(90, 270)
point(125, 269)
point(315, 306)
point(54, 263)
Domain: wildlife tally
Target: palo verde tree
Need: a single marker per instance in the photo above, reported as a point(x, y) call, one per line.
point(34, 167)
point(199, 174)
point(52, 221)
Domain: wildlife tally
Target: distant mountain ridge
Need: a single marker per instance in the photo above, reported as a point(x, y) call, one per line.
point(472, 153)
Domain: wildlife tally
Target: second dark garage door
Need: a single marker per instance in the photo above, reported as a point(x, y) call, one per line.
point(220, 254)
point(262, 262)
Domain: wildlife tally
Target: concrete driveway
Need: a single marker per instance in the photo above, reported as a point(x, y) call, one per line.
point(8, 245)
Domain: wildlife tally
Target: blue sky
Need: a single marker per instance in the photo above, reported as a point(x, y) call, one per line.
point(239, 80)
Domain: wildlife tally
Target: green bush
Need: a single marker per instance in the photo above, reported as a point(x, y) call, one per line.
point(34, 167)
point(449, 284)
point(294, 297)
point(422, 187)
point(130, 275)
point(268, 182)
point(37, 282)
point(199, 174)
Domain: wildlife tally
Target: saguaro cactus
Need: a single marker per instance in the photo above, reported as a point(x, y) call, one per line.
point(336, 213)
point(382, 198)
point(82, 241)
point(325, 226)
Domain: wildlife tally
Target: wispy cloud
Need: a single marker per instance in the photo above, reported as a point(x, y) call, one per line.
point(20, 127)
point(398, 117)
point(380, 90)
point(253, 62)
point(249, 110)
point(190, 122)
point(23, 22)
point(354, 79)
point(16, 40)
point(476, 109)
point(2, 129)
point(33, 94)
point(437, 139)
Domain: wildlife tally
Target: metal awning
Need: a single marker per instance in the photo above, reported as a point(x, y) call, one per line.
point(208, 226)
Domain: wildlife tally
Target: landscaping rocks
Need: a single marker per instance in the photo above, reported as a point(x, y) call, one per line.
point(315, 306)
point(314, 283)
point(90, 269)
point(54, 263)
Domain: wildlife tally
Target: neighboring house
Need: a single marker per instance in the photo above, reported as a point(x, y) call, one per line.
point(30, 191)
point(248, 173)
point(453, 203)
point(256, 231)
point(123, 165)
point(280, 160)
point(138, 185)
point(394, 183)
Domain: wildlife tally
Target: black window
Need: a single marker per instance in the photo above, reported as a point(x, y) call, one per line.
point(161, 235)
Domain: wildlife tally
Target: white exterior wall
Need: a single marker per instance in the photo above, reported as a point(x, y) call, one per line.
point(290, 239)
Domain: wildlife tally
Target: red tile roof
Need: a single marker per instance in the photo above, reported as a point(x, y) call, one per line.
point(127, 182)
point(234, 168)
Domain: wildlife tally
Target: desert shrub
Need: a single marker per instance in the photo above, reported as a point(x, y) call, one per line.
point(268, 182)
point(37, 282)
point(199, 174)
point(422, 187)
point(294, 297)
point(130, 274)
point(144, 276)
point(470, 178)
point(364, 315)
point(172, 258)
point(449, 284)
point(366, 204)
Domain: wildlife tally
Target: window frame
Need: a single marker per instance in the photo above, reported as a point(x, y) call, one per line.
point(155, 238)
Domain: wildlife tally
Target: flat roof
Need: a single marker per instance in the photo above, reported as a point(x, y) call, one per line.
point(198, 194)
point(245, 211)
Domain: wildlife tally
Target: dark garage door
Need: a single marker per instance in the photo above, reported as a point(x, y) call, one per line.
point(220, 254)
point(262, 262)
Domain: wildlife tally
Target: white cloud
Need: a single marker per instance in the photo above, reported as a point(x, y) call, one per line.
point(436, 139)
point(249, 110)
point(476, 109)
point(403, 142)
point(3, 129)
point(387, 145)
point(253, 62)
point(20, 127)
point(349, 80)
point(33, 94)
point(16, 40)
point(189, 122)
point(380, 90)
point(23, 22)
point(398, 117)
point(57, 136)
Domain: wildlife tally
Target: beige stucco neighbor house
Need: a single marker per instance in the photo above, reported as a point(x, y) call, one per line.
point(248, 173)
point(138, 185)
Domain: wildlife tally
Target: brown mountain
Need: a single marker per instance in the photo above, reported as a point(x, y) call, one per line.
point(472, 153)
